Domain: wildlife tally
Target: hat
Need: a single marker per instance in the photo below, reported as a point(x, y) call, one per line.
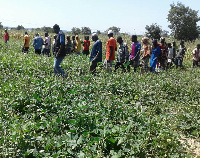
point(110, 32)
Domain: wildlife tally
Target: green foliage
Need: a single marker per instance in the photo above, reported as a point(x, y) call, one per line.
point(115, 29)
point(153, 31)
point(76, 31)
point(117, 115)
point(20, 27)
point(85, 30)
point(47, 29)
point(183, 22)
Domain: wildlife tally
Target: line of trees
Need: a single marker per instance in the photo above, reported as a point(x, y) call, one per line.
point(183, 24)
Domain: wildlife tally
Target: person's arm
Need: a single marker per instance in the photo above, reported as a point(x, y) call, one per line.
point(8, 37)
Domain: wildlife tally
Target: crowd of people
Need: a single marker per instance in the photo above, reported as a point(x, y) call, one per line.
point(156, 52)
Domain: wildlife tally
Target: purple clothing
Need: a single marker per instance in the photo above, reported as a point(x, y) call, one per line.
point(134, 52)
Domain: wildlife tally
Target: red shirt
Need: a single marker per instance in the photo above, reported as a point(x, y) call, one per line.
point(111, 43)
point(6, 36)
point(86, 45)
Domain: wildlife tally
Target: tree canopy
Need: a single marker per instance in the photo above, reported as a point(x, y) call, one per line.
point(85, 30)
point(183, 22)
point(153, 31)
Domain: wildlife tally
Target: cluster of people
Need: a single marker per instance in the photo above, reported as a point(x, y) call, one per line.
point(158, 53)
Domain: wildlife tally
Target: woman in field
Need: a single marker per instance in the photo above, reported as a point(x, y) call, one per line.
point(155, 52)
point(146, 54)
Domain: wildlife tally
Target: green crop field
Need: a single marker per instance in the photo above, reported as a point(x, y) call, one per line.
point(107, 115)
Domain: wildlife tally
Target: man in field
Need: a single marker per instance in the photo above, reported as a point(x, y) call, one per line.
point(37, 44)
point(47, 45)
point(59, 51)
point(122, 54)
point(6, 36)
point(96, 53)
point(196, 56)
point(135, 52)
point(111, 48)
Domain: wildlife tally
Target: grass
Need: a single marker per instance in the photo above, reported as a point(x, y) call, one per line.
point(108, 115)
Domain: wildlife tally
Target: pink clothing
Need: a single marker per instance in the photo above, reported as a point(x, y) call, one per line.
point(133, 51)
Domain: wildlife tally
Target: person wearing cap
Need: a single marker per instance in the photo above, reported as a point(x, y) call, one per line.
point(47, 45)
point(78, 45)
point(156, 51)
point(135, 52)
point(59, 51)
point(26, 43)
point(6, 36)
point(110, 53)
point(37, 44)
point(122, 55)
point(96, 53)
point(86, 46)
point(146, 54)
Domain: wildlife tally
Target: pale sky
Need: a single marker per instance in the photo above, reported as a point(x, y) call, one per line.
point(130, 15)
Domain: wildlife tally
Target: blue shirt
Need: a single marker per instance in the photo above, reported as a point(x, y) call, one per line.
point(134, 52)
point(97, 47)
point(61, 36)
point(38, 42)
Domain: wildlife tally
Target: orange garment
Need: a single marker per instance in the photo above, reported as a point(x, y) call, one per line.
point(27, 41)
point(111, 43)
point(86, 45)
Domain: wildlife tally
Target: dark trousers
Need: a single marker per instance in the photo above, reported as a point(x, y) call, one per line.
point(38, 51)
point(118, 64)
point(93, 67)
point(195, 63)
point(25, 49)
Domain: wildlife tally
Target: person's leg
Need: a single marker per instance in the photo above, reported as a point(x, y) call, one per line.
point(117, 65)
point(57, 68)
point(93, 67)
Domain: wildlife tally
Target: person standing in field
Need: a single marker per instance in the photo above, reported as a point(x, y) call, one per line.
point(156, 51)
point(164, 53)
point(47, 45)
point(135, 53)
point(196, 56)
point(6, 36)
point(111, 48)
point(96, 53)
point(68, 45)
point(78, 45)
point(86, 46)
point(73, 44)
point(146, 54)
point(122, 55)
point(59, 51)
point(37, 44)
point(26, 43)
point(180, 55)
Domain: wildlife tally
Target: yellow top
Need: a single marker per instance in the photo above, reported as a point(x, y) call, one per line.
point(78, 45)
